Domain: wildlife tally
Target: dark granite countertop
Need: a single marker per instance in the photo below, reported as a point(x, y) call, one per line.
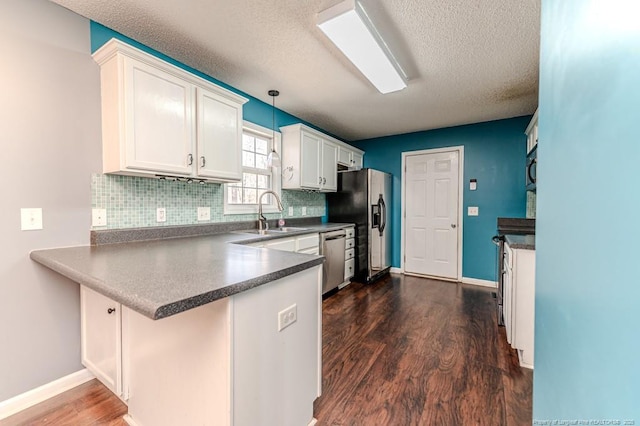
point(526, 242)
point(160, 278)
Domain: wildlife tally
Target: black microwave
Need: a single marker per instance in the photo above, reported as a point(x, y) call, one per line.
point(532, 162)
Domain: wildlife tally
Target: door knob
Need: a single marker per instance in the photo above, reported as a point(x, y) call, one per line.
point(453, 225)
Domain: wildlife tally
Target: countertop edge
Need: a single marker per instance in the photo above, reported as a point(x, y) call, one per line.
point(83, 279)
point(519, 245)
point(232, 289)
point(179, 306)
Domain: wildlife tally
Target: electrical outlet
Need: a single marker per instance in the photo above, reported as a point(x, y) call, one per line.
point(99, 217)
point(304, 211)
point(288, 316)
point(290, 211)
point(204, 213)
point(161, 214)
point(30, 219)
point(473, 211)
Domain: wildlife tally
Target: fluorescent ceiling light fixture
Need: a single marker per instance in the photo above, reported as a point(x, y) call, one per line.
point(351, 30)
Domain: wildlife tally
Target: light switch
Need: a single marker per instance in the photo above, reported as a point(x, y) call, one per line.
point(472, 211)
point(290, 211)
point(30, 219)
point(473, 184)
point(304, 211)
point(99, 217)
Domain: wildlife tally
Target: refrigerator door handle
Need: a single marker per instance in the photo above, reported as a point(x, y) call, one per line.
point(383, 209)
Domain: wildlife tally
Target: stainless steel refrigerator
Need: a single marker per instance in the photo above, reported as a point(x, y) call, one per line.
point(364, 198)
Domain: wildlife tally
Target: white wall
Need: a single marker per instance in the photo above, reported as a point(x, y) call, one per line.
point(50, 141)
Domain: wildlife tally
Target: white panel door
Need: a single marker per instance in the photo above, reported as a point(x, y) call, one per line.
point(219, 137)
point(431, 207)
point(310, 161)
point(159, 121)
point(329, 171)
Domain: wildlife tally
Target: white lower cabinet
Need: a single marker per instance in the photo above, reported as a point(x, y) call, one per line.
point(519, 301)
point(102, 339)
point(349, 254)
point(216, 364)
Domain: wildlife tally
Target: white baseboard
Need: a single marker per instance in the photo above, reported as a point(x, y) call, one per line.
point(35, 396)
point(394, 270)
point(129, 420)
point(482, 283)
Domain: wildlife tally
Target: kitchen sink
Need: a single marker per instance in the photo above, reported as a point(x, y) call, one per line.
point(288, 229)
point(272, 231)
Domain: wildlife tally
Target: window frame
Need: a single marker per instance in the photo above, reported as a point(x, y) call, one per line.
point(276, 180)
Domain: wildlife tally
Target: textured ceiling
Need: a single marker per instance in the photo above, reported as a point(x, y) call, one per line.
point(468, 61)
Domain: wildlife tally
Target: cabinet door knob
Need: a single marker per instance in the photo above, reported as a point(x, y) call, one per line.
point(189, 159)
point(111, 310)
point(202, 161)
point(453, 225)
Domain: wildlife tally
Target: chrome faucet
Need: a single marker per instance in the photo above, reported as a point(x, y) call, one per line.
point(263, 225)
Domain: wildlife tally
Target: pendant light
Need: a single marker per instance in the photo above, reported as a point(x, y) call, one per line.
point(273, 159)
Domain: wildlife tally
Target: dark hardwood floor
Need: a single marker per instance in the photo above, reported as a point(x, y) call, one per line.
point(413, 351)
point(402, 351)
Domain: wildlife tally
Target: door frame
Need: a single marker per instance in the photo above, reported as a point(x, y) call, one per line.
point(460, 150)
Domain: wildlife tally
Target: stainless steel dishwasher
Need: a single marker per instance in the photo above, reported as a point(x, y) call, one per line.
point(332, 248)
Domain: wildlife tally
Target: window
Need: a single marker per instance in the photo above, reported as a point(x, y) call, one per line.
point(242, 197)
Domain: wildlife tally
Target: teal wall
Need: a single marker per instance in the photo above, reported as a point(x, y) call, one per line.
point(494, 154)
point(587, 292)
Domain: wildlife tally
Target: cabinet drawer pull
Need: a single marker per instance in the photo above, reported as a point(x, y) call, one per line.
point(111, 310)
point(202, 161)
point(189, 159)
point(324, 180)
point(319, 180)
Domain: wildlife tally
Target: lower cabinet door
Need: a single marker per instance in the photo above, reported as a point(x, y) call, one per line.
point(349, 268)
point(101, 328)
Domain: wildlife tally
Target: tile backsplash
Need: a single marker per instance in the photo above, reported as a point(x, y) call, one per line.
point(131, 202)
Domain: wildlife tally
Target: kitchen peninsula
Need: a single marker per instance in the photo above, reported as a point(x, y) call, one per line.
point(199, 337)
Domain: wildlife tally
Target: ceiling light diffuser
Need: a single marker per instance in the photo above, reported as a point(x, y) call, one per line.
point(350, 29)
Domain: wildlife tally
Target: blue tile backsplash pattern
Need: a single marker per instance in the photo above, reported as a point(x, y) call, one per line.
point(131, 202)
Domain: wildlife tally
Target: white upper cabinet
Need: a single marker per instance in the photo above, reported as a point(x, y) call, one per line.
point(310, 154)
point(349, 157)
point(356, 159)
point(310, 159)
point(219, 136)
point(158, 119)
point(158, 109)
point(344, 156)
point(329, 171)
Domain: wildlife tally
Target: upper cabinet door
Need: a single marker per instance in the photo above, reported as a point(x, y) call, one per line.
point(159, 120)
point(344, 156)
point(329, 167)
point(310, 157)
point(219, 137)
point(356, 160)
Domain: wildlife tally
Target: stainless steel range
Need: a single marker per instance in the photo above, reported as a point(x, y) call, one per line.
point(507, 225)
